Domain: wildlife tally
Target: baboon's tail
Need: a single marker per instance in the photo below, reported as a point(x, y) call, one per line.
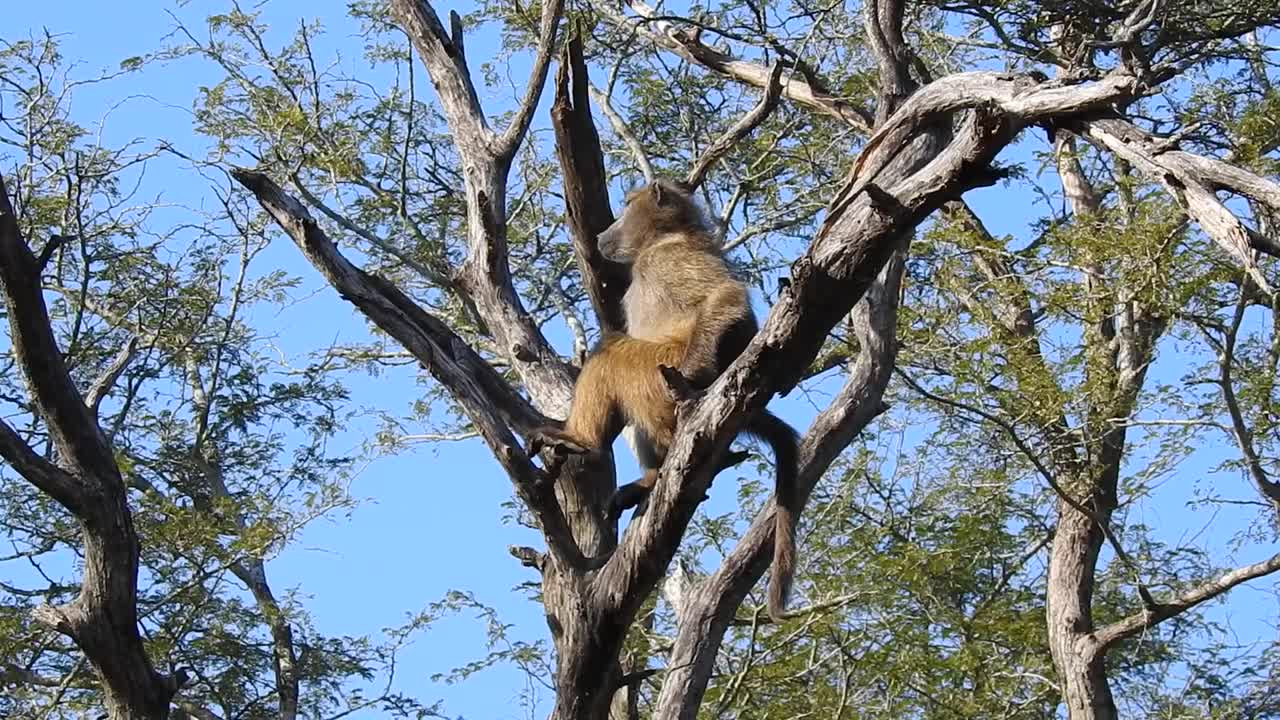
point(783, 440)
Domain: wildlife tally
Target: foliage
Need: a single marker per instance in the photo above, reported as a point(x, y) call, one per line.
point(924, 550)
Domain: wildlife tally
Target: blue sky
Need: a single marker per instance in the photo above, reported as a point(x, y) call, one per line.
point(431, 522)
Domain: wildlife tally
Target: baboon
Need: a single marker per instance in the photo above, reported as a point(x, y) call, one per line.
point(684, 310)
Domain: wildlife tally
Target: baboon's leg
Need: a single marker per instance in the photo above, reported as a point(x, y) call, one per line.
point(594, 418)
point(647, 405)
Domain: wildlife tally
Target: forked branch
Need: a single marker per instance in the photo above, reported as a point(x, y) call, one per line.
point(446, 62)
point(50, 479)
point(708, 609)
point(515, 132)
point(586, 186)
point(1193, 180)
point(103, 618)
point(1182, 602)
point(796, 87)
point(491, 405)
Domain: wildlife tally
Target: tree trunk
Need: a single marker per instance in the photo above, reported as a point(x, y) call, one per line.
point(1076, 655)
point(133, 690)
point(103, 618)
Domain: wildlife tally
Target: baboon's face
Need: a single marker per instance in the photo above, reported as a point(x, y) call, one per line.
point(649, 212)
point(621, 241)
point(610, 242)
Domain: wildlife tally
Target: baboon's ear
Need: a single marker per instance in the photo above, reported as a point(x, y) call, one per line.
point(658, 193)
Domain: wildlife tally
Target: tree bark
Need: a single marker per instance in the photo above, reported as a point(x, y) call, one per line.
point(103, 619)
point(1069, 613)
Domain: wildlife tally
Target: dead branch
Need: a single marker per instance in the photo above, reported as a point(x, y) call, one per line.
point(1193, 181)
point(623, 131)
point(491, 405)
point(687, 45)
point(707, 610)
point(485, 275)
point(586, 187)
point(739, 130)
point(514, 135)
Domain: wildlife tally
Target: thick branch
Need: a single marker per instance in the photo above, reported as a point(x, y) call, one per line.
point(1193, 181)
point(883, 22)
point(103, 619)
point(707, 611)
point(1017, 98)
point(485, 274)
point(1151, 616)
point(856, 240)
point(50, 479)
point(491, 405)
point(447, 65)
point(738, 131)
point(586, 186)
point(79, 442)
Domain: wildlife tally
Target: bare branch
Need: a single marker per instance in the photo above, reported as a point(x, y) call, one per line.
point(1020, 99)
point(484, 277)
point(199, 712)
point(103, 385)
point(252, 572)
point(738, 130)
point(586, 186)
point(622, 130)
point(528, 557)
point(707, 611)
point(447, 66)
point(425, 336)
point(1269, 488)
point(491, 405)
point(50, 247)
point(1182, 174)
point(514, 135)
point(1161, 611)
point(686, 45)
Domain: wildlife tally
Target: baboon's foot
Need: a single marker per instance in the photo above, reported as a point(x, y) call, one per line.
point(631, 495)
point(555, 440)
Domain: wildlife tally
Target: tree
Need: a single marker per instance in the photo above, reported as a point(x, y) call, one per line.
point(140, 400)
point(1036, 354)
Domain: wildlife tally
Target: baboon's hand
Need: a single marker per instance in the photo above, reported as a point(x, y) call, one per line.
point(730, 459)
point(678, 385)
point(631, 495)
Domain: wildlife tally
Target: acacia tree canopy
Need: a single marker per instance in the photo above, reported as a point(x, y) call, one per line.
point(1107, 349)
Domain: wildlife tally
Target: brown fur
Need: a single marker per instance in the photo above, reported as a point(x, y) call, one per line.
point(686, 310)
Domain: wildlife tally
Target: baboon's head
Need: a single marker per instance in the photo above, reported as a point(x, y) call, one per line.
point(660, 208)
